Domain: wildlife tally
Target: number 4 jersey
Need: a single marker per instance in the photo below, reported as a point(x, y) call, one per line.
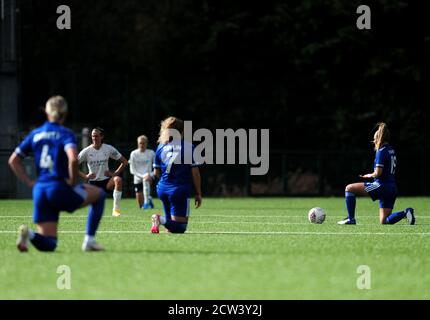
point(49, 144)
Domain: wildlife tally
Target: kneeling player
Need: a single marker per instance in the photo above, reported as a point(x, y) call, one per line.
point(176, 178)
point(55, 190)
point(141, 161)
point(383, 188)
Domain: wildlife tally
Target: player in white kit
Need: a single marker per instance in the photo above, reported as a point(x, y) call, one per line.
point(141, 161)
point(97, 157)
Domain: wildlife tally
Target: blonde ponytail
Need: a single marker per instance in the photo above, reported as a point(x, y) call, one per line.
point(381, 136)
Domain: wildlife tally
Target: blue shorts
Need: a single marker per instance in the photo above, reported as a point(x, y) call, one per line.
point(385, 193)
point(176, 201)
point(50, 198)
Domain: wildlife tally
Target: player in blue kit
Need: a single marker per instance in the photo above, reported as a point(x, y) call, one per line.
point(383, 187)
point(56, 189)
point(174, 165)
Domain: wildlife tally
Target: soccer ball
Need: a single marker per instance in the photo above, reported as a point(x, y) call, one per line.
point(316, 215)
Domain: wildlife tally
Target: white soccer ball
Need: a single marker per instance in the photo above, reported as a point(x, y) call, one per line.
point(316, 215)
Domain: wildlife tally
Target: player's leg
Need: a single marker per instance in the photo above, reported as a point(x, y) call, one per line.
point(44, 239)
point(180, 210)
point(72, 198)
point(387, 217)
point(151, 203)
point(115, 184)
point(46, 219)
point(351, 192)
point(95, 197)
point(158, 219)
point(384, 213)
point(139, 199)
point(138, 190)
point(147, 195)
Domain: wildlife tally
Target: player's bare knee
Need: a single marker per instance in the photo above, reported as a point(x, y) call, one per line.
point(118, 181)
point(349, 188)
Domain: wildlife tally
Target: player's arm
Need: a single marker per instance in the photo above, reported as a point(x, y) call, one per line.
point(131, 163)
point(124, 163)
point(72, 156)
point(375, 174)
point(82, 174)
point(82, 157)
point(380, 159)
point(15, 163)
point(156, 174)
point(195, 172)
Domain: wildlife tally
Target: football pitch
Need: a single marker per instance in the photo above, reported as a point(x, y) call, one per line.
point(236, 248)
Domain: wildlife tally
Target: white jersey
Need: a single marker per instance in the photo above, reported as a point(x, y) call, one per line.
point(98, 160)
point(141, 164)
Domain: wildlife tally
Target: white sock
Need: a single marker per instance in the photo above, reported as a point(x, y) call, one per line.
point(88, 238)
point(163, 220)
point(146, 190)
point(116, 199)
point(30, 234)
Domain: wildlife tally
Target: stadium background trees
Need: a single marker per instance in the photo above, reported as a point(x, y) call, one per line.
point(300, 68)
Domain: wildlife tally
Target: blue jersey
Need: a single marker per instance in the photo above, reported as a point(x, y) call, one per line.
point(386, 159)
point(49, 144)
point(175, 160)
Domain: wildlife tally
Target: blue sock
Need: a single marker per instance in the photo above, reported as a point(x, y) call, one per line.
point(395, 217)
point(175, 227)
point(44, 243)
point(95, 214)
point(350, 204)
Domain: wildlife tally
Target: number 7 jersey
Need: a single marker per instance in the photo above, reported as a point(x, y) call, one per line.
point(385, 158)
point(49, 143)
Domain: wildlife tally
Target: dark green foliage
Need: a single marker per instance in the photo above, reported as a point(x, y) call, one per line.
point(301, 68)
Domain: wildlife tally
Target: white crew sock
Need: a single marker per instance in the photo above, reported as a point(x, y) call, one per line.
point(116, 199)
point(146, 191)
point(163, 220)
point(88, 238)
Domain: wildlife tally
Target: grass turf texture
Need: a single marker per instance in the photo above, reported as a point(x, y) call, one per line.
point(253, 248)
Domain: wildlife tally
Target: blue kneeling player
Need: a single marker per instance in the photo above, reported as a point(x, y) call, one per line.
point(55, 153)
point(176, 177)
point(383, 188)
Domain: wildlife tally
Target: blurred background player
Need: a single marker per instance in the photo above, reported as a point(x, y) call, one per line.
point(141, 161)
point(97, 157)
point(176, 177)
point(55, 153)
point(384, 185)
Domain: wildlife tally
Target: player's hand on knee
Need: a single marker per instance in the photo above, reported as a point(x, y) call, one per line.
point(108, 173)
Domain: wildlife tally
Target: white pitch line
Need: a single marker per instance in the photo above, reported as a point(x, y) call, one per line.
point(250, 222)
point(251, 233)
point(65, 216)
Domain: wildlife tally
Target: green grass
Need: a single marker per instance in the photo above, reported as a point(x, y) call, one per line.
point(234, 249)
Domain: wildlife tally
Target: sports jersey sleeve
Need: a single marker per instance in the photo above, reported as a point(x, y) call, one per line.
point(69, 141)
point(82, 156)
point(152, 155)
point(131, 162)
point(25, 147)
point(157, 158)
point(380, 158)
point(114, 153)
